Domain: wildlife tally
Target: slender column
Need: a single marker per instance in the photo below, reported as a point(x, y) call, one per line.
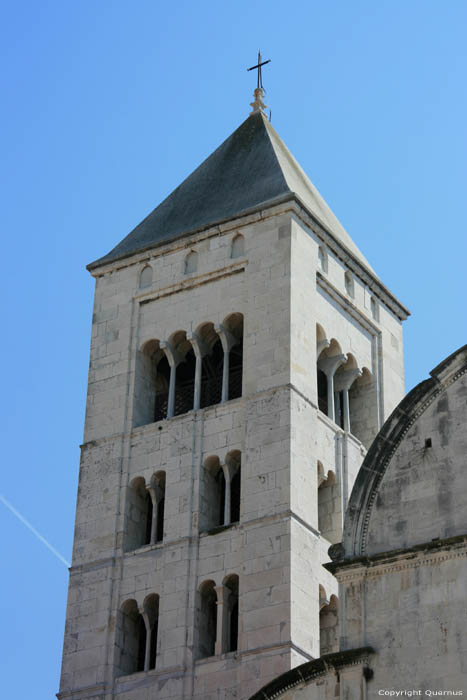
point(147, 650)
point(344, 381)
point(227, 513)
point(228, 341)
point(171, 403)
point(155, 503)
point(329, 365)
point(174, 358)
point(346, 410)
point(225, 377)
point(200, 349)
point(218, 648)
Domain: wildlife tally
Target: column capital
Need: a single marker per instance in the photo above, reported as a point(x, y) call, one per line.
point(345, 379)
point(228, 340)
point(329, 365)
point(173, 356)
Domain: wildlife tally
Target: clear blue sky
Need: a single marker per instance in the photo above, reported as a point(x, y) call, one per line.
point(107, 106)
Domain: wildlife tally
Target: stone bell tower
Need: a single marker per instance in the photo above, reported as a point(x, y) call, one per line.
point(244, 354)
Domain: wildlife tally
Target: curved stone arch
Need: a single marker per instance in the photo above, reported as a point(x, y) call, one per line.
point(383, 448)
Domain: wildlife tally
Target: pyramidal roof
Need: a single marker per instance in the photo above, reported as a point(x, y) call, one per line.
point(250, 170)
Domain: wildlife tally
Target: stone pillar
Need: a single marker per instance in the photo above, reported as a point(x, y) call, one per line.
point(152, 493)
point(174, 358)
point(329, 365)
point(228, 341)
point(147, 650)
point(227, 477)
point(343, 382)
point(200, 349)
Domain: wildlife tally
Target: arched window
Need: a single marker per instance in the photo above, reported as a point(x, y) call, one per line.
point(191, 262)
point(139, 512)
point(328, 505)
point(207, 620)
point(162, 382)
point(349, 284)
point(363, 408)
point(212, 366)
point(151, 611)
point(328, 626)
point(131, 639)
point(220, 492)
point(233, 486)
point(238, 246)
point(323, 258)
point(145, 278)
point(157, 492)
point(230, 620)
point(148, 382)
point(234, 327)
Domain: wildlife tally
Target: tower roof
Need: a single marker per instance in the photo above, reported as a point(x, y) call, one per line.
point(253, 168)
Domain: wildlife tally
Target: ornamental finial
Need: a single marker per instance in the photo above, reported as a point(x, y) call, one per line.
point(258, 104)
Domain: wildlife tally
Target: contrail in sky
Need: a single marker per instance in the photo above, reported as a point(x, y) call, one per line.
point(34, 531)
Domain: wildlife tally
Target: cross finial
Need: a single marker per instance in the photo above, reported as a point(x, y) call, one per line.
point(258, 104)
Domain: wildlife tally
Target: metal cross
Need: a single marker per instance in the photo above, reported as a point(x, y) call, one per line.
point(258, 66)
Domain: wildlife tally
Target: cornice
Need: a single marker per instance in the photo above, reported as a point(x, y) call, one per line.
point(309, 671)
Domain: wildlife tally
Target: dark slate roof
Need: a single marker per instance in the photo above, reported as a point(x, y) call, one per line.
point(252, 168)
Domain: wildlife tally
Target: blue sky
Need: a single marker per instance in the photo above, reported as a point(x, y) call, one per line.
point(107, 106)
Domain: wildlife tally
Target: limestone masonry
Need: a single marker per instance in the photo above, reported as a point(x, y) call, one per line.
point(244, 358)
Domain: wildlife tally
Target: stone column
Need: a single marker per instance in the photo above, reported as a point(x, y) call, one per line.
point(329, 365)
point(152, 493)
point(343, 382)
point(174, 358)
point(200, 349)
point(228, 341)
point(147, 650)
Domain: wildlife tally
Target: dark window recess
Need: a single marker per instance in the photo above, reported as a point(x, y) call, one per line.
point(162, 389)
point(428, 442)
point(235, 498)
point(233, 641)
point(160, 520)
point(148, 500)
point(211, 378)
point(185, 384)
point(141, 644)
point(235, 371)
point(322, 392)
point(153, 648)
point(220, 478)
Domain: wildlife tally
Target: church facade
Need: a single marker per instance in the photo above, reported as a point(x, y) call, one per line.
point(244, 356)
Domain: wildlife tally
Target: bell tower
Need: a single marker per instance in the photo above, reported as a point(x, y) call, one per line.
point(244, 355)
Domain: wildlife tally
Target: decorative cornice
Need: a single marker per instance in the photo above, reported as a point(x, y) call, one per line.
point(427, 554)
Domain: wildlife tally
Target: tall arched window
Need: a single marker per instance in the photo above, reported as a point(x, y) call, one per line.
point(162, 383)
point(207, 620)
point(230, 632)
point(139, 512)
point(328, 626)
point(151, 612)
point(131, 639)
point(233, 324)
